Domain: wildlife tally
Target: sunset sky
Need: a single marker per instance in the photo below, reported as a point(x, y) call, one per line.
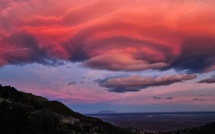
point(118, 55)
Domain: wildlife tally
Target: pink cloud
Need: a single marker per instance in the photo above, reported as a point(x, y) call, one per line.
point(118, 36)
point(208, 80)
point(120, 62)
point(136, 83)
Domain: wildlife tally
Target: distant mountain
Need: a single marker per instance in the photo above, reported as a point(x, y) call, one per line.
point(25, 113)
point(106, 112)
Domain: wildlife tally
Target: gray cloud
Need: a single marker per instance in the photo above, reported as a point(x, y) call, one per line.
point(72, 83)
point(123, 89)
point(198, 99)
point(136, 83)
point(208, 80)
point(201, 95)
point(157, 97)
point(97, 80)
point(169, 98)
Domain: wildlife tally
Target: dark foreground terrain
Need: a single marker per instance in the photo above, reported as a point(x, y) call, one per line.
point(163, 121)
point(25, 113)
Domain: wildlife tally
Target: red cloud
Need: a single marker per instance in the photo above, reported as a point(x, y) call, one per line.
point(123, 35)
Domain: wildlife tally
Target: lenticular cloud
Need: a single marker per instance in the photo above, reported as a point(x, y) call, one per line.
point(136, 83)
point(118, 36)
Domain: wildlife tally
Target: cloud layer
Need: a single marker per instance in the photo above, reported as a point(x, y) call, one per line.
point(136, 83)
point(118, 36)
point(208, 80)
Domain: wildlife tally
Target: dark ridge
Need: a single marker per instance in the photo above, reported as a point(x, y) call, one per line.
point(60, 108)
point(25, 113)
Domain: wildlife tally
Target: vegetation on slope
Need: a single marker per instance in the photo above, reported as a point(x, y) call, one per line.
point(25, 113)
